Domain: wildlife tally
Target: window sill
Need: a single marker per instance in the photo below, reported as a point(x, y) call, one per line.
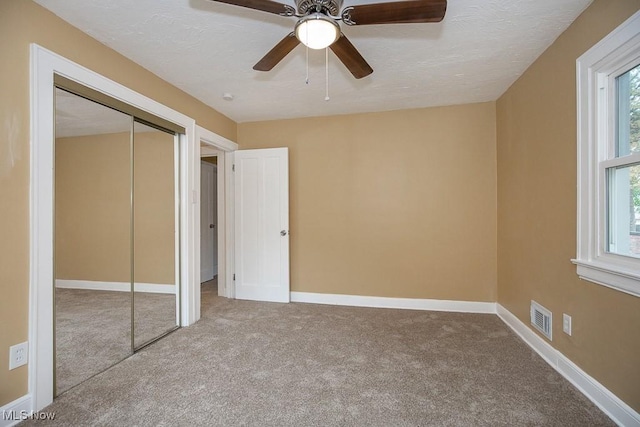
point(611, 276)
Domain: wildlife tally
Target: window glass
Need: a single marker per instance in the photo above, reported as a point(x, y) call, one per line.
point(628, 132)
point(623, 182)
point(624, 210)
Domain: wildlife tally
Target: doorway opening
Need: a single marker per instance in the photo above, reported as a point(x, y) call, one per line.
point(209, 226)
point(214, 245)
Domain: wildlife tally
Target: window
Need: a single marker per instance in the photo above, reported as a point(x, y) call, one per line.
point(622, 169)
point(608, 80)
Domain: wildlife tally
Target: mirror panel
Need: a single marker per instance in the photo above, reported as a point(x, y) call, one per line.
point(155, 233)
point(92, 239)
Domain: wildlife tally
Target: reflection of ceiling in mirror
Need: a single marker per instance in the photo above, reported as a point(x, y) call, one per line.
point(77, 116)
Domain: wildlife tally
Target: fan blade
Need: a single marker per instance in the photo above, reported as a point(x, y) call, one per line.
point(401, 12)
point(278, 53)
point(263, 5)
point(351, 58)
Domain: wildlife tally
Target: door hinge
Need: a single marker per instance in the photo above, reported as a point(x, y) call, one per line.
point(233, 168)
point(234, 277)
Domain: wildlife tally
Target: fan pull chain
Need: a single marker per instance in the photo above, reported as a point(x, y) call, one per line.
point(307, 79)
point(326, 73)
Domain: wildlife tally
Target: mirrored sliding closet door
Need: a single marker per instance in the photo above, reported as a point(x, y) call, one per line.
point(116, 239)
point(155, 233)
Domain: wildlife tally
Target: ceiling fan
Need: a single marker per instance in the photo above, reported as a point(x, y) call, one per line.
point(318, 26)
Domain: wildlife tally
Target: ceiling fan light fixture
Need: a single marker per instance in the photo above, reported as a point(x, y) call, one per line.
point(317, 31)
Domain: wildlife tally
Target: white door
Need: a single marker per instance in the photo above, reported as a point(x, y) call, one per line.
point(208, 222)
point(262, 224)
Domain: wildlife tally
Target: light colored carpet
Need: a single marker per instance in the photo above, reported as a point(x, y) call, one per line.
point(93, 329)
point(266, 364)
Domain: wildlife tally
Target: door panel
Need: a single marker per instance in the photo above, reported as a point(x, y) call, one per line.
point(262, 224)
point(155, 234)
point(92, 239)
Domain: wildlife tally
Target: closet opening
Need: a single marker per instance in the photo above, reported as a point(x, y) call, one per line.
point(116, 232)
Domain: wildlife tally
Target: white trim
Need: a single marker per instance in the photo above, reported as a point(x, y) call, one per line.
point(620, 161)
point(609, 403)
point(153, 288)
point(178, 140)
point(22, 405)
point(595, 72)
point(626, 280)
point(402, 303)
point(215, 140)
point(229, 214)
point(188, 252)
point(222, 277)
point(44, 64)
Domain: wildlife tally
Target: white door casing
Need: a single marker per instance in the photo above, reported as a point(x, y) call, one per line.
point(262, 224)
point(208, 218)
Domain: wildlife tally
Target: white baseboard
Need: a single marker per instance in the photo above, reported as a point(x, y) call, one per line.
point(16, 411)
point(115, 286)
point(609, 403)
point(402, 303)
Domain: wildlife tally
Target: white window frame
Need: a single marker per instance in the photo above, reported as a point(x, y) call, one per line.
point(597, 70)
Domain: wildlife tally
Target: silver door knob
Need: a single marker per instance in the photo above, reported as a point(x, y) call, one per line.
point(283, 233)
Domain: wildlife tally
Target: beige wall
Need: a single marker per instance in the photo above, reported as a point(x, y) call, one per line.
point(394, 204)
point(536, 120)
point(93, 208)
point(23, 22)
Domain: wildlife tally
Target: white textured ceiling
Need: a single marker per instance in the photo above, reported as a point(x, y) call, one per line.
point(208, 49)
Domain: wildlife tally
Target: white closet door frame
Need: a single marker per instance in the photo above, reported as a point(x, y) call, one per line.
point(43, 65)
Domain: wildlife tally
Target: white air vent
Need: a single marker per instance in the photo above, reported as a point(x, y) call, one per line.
point(541, 319)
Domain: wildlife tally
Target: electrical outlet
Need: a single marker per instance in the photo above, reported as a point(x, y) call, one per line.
point(566, 324)
point(18, 355)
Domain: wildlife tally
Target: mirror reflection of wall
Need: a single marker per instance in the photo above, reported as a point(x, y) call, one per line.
point(115, 225)
point(155, 232)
